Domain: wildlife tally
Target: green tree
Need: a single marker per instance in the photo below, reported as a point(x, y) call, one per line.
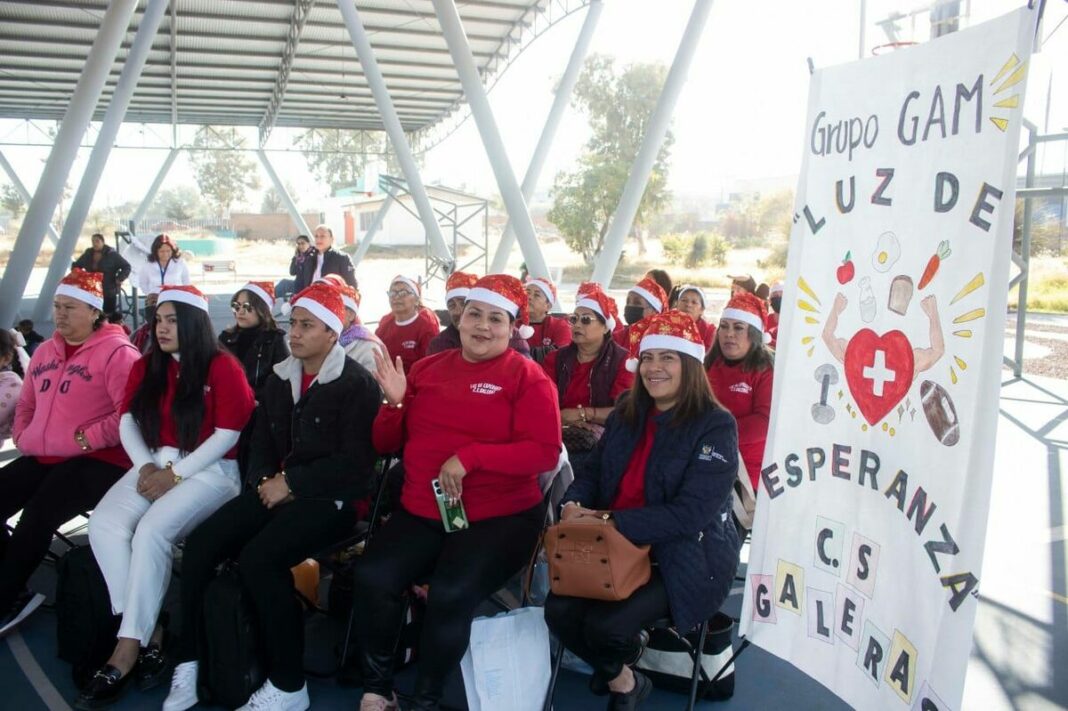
point(223, 171)
point(180, 203)
point(272, 199)
point(11, 200)
point(618, 105)
point(339, 158)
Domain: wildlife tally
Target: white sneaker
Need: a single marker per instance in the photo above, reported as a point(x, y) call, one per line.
point(270, 698)
point(183, 688)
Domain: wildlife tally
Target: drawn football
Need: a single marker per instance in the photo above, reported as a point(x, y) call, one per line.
point(940, 413)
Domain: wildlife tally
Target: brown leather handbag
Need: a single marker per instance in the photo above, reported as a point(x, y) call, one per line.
point(591, 559)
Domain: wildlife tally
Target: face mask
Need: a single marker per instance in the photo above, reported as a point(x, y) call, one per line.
point(633, 314)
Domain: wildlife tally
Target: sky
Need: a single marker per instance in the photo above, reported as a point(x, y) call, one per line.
point(740, 116)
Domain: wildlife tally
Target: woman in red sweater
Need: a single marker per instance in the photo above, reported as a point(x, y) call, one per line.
point(409, 327)
point(691, 301)
point(550, 332)
point(482, 420)
point(740, 369)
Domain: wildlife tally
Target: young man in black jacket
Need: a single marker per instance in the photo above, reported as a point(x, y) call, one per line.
point(311, 457)
point(102, 258)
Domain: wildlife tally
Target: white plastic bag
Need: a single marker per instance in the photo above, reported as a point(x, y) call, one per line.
point(507, 664)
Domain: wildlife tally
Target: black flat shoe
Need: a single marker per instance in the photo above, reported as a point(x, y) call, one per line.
point(152, 667)
point(633, 699)
point(104, 689)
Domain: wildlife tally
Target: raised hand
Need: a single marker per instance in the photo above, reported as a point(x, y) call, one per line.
point(390, 377)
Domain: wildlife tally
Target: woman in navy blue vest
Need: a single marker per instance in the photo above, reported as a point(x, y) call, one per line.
point(662, 474)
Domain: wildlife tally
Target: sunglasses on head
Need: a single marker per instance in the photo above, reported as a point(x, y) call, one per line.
point(237, 306)
point(584, 319)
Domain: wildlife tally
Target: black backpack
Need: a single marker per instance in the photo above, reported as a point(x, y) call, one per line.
point(231, 663)
point(667, 662)
point(85, 627)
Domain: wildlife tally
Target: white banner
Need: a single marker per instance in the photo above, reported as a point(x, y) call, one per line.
point(865, 564)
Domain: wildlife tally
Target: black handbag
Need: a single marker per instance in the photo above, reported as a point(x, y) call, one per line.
point(581, 439)
point(667, 662)
point(85, 627)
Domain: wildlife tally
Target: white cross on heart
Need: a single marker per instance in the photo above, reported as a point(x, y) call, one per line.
point(878, 373)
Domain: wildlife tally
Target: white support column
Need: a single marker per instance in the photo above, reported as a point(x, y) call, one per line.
point(460, 51)
point(394, 130)
point(26, 197)
point(605, 264)
point(98, 159)
point(294, 212)
point(146, 201)
point(376, 225)
point(64, 151)
point(552, 122)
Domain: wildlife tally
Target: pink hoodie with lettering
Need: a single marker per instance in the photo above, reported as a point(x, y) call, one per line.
point(60, 397)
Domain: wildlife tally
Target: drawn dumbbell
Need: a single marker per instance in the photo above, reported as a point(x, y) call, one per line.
point(826, 376)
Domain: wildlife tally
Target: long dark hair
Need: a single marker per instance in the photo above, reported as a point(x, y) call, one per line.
point(8, 347)
point(267, 322)
point(198, 347)
point(759, 356)
point(695, 397)
point(153, 253)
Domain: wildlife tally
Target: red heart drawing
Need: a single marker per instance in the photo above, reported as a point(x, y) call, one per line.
point(879, 371)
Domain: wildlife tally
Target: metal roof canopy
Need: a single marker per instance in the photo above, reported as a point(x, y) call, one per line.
point(263, 63)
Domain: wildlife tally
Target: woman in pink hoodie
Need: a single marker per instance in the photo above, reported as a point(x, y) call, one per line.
point(67, 429)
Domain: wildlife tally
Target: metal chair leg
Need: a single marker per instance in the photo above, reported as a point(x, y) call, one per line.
point(558, 658)
point(697, 670)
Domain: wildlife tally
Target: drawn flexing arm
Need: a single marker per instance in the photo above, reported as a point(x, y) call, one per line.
point(837, 346)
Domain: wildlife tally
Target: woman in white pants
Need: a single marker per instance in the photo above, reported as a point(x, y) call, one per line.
point(186, 404)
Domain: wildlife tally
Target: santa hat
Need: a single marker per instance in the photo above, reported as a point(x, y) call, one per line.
point(750, 309)
point(324, 302)
point(652, 292)
point(350, 295)
point(776, 289)
point(592, 297)
point(262, 289)
point(414, 284)
point(458, 285)
point(545, 286)
point(505, 292)
point(696, 289)
point(84, 286)
point(187, 294)
point(671, 330)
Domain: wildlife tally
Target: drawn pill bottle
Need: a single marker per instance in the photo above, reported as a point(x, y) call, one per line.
point(867, 300)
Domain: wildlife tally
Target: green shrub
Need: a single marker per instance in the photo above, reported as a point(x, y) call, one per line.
point(677, 247)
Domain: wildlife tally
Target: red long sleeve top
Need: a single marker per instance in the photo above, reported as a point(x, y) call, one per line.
point(747, 396)
point(708, 333)
point(498, 416)
point(408, 339)
point(552, 331)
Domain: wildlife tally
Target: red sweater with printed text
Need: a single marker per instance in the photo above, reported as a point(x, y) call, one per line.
point(410, 339)
point(498, 416)
point(747, 396)
point(552, 331)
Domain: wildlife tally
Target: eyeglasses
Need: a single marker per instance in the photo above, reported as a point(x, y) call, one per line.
point(238, 307)
point(400, 293)
point(584, 319)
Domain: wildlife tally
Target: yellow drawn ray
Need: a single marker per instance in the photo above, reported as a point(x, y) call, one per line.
point(965, 333)
point(1015, 78)
point(808, 289)
point(970, 316)
point(1008, 66)
point(960, 363)
point(809, 319)
point(1010, 103)
point(1001, 123)
point(976, 282)
point(952, 375)
point(806, 340)
point(811, 351)
point(802, 304)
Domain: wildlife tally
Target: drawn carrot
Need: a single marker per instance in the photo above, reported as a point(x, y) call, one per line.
point(933, 263)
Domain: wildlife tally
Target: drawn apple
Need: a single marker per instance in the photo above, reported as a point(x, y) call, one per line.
point(847, 270)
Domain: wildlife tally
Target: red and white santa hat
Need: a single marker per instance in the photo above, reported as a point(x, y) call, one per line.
point(670, 330)
point(652, 292)
point(748, 308)
point(262, 289)
point(324, 302)
point(505, 292)
point(695, 289)
point(592, 297)
point(350, 296)
point(87, 287)
point(545, 286)
point(458, 285)
point(408, 281)
point(185, 294)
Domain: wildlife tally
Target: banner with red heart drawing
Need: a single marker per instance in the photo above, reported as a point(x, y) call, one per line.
point(865, 565)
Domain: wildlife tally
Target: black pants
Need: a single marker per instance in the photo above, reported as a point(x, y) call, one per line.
point(463, 569)
point(266, 544)
point(49, 495)
point(111, 299)
point(605, 634)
